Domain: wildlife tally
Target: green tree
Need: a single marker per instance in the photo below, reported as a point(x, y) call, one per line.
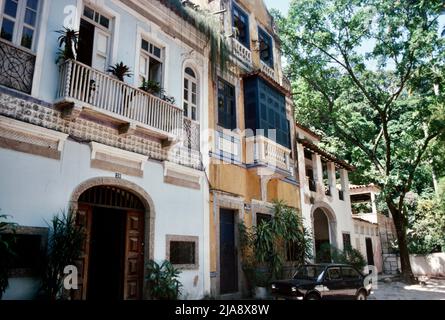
point(426, 232)
point(365, 72)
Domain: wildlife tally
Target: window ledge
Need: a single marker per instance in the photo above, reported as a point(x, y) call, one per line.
point(117, 160)
point(29, 138)
point(182, 176)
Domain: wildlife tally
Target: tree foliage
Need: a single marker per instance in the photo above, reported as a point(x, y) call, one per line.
point(369, 74)
point(426, 232)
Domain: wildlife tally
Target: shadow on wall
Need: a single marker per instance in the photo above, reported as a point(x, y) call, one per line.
point(428, 265)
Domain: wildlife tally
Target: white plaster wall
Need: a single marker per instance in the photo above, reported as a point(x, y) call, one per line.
point(428, 265)
point(341, 209)
point(34, 188)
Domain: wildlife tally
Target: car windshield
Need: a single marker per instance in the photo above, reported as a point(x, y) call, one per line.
point(309, 272)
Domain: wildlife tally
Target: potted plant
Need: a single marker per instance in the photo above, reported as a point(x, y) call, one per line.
point(64, 248)
point(263, 248)
point(120, 71)
point(68, 42)
point(6, 252)
point(163, 283)
point(151, 86)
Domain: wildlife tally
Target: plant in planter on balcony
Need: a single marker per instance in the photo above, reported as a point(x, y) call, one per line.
point(163, 283)
point(152, 87)
point(64, 249)
point(6, 252)
point(68, 42)
point(120, 71)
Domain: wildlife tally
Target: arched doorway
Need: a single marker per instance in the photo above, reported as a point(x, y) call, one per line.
point(115, 222)
point(321, 236)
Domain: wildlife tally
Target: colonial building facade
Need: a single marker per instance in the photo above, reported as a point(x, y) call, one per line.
point(375, 232)
point(76, 138)
point(252, 154)
point(162, 162)
point(324, 190)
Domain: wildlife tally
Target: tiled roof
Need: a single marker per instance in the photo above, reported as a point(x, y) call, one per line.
point(307, 130)
point(363, 220)
point(325, 154)
point(268, 79)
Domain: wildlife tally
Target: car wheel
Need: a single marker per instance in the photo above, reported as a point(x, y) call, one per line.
point(361, 295)
point(312, 296)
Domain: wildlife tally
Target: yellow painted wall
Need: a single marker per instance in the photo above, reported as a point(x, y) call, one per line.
point(234, 179)
point(280, 190)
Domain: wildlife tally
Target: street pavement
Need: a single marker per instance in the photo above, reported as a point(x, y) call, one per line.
point(430, 289)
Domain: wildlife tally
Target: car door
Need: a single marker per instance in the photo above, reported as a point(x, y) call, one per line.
point(352, 280)
point(333, 284)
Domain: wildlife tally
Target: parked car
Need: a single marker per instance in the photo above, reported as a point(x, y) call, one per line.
point(323, 281)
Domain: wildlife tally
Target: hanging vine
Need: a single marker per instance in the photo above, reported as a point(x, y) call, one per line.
point(206, 23)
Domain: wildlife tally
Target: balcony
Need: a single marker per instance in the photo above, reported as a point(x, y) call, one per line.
point(268, 70)
point(83, 89)
point(192, 134)
point(243, 54)
point(16, 67)
point(265, 152)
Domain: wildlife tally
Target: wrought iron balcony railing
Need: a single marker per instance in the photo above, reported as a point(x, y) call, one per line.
point(192, 134)
point(82, 85)
point(16, 67)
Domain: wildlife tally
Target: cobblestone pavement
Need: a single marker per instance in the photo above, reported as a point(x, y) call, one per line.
point(433, 289)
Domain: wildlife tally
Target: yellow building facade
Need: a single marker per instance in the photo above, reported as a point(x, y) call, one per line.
point(251, 137)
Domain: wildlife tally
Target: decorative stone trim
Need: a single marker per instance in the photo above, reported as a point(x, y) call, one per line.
point(195, 240)
point(268, 70)
point(117, 160)
point(24, 137)
point(182, 176)
point(26, 109)
point(150, 212)
point(261, 207)
point(229, 202)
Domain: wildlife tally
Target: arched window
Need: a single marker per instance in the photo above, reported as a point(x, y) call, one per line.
point(190, 94)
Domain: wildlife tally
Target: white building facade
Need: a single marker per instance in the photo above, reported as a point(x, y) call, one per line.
point(126, 161)
point(324, 192)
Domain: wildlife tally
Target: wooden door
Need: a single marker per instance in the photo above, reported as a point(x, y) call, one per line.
point(83, 219)
point(134, 256)
point(228, 255)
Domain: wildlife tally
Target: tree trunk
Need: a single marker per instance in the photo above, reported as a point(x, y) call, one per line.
point(400, 225)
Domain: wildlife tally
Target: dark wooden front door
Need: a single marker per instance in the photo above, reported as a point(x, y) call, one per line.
point(369, 251)
point(111, 263)
point(134, 255)
point(107, 248)
point(228, 267)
